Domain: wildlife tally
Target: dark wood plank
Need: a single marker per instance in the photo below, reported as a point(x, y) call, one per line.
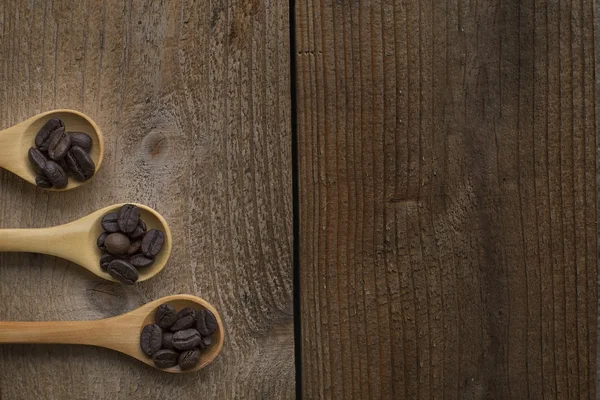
point(193, 97)
point(448, 223)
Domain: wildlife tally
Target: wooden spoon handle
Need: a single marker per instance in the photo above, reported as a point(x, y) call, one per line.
point(75, 332)
point(43, 240)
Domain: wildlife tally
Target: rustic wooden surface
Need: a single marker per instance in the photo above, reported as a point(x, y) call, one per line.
point(193, 97)
point(447, 199)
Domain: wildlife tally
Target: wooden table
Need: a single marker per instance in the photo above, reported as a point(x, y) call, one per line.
point(194, 101)
point(414, 181)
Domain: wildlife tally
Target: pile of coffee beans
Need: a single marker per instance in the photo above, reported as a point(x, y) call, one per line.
point(178, 338)
point(126, 245)
point(58, 154)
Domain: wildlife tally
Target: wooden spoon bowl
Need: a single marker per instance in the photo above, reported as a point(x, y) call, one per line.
point(120, 333)
point(16, 141)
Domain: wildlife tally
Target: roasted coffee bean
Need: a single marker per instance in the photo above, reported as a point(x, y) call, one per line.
point(205, 343)
point(109, 222)
point(37, 159)
point(189, 359)
point(134, 248)
point(166, 358)
point(80, 163)
point(117, 243)
point(139, 231)
point(101, 239)
point(63, 165)
point(122, 271)
point(56, 174)
point(141, 261)
point(152, 242)
point(151, 339)
point(206, 323)
point(42, 139)
point(82, 140)
point(129, 218)
point(186, 318)
point(186, 339)
point(165, 315)
point(60, 143)
point(43, 182)
point(167, 341)
point(105, 260)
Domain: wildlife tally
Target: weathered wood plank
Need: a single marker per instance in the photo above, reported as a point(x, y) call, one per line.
point(447, 199)
point(193, 97)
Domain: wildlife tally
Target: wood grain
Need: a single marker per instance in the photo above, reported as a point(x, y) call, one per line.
point(448, 223)
point(193, 99)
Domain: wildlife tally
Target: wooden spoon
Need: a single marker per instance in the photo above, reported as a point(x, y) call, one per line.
point(120, 333)
point(76, 241)
point(16, 141)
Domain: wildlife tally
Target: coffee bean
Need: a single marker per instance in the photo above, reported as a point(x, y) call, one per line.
point(167, 341)
point(101, 239)
point(42, 139)
point(152, 242)
point(109, 222)
point(151, 339)
point(186, 339)
point(206, 323)
point(122, 271)
point(37, 159)
point(189, 359)
point(166, 358)
point(139, 231)
point(165, 315)
point(186, 318)
point(82, 140)
point(43, 182)
point(141, 261)
point(80, 163)
point(105, 260)
point(56, 174)
point(129, 218)
point(60, 143)
point(206, 341)
point(63, 165)
point(134, 248)
point(117, 243)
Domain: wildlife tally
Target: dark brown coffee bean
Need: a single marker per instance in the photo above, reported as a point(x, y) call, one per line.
point(117, 243)
point(152, 242)
point(186, 339)
point(82, 140)
point(101, 239)
point(80, 163)
point(166, 358)
point(186, 318)
point(141, 261)
point(139, 231)
point(109, 222)
point(63, 165)
point(122, 271)
point(206, 323)
point(165, 315)
point(129, 218)
point(43, 182)
point(205, 342)
point(37, 159)
point(42, 139)
point(189, 359)
point(105, 260)
point(151, 339)
point(167, 341)
point(56, 174)
point(60, 143)
point(134, 248)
